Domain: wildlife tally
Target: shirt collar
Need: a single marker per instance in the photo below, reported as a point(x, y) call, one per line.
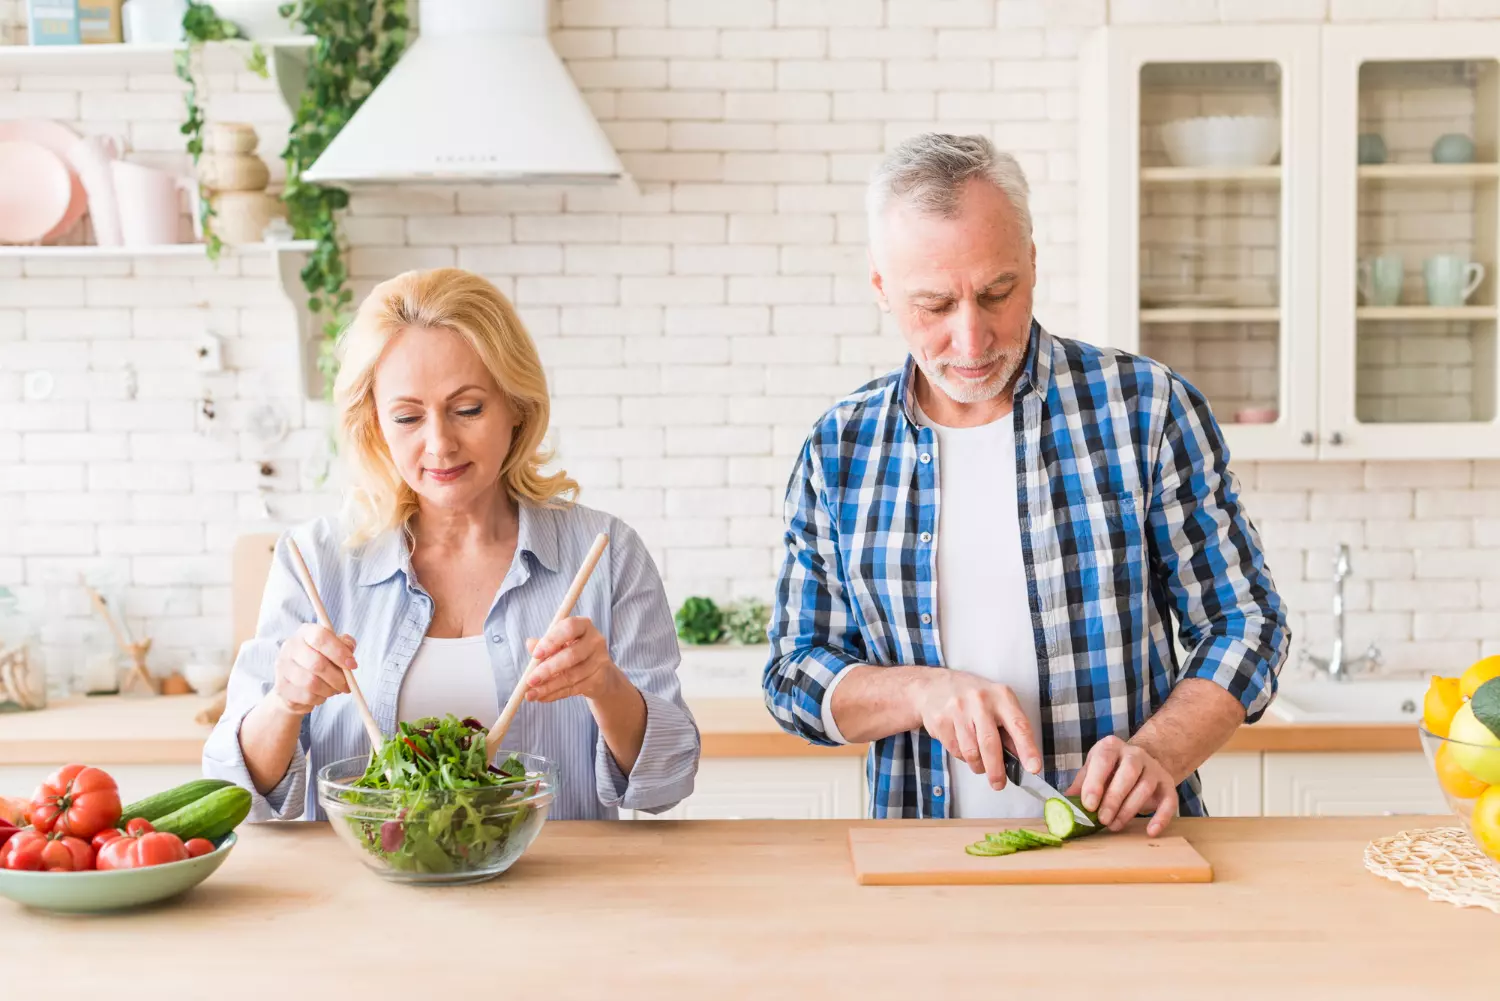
point(388, 552)
point(1035, 375)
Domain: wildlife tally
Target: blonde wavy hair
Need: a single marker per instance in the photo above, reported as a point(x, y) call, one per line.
point(473, 308)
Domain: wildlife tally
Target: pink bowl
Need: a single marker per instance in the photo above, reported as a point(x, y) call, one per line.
point(66, 144)
point(37, 192)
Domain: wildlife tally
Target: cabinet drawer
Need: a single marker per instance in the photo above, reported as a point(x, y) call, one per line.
point(800, 788)
point(1334, 785)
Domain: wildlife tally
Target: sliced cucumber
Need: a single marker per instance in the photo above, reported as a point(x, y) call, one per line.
point(1012, 838)
point(1040, 840)
point(989, 849)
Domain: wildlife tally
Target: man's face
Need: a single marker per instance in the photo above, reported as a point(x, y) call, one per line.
point(960, 290)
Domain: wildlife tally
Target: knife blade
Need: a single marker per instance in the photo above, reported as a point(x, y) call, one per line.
point(1038, 786)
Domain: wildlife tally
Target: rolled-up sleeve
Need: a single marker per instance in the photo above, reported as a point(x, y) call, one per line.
point(284, 607)
point(1232, 623)
point(643, 643)
point(814, 634)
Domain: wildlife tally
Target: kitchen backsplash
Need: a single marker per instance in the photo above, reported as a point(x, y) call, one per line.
point(692, 328)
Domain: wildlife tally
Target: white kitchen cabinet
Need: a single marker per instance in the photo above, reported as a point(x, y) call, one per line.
point(1334, 784)
point(1409, 378)
point(792, 788)
point(1242, 278)
point(135, 781)
point(1232, 784)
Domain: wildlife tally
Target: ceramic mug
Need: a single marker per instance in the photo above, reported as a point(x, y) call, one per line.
point(1455, 147)
point(1379, 279)
point(1371, 148)
point(94, 161)
point(150, 210)
point(1451, 279)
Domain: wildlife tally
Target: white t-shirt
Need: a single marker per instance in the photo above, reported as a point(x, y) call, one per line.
point(984, 615)
point(449, 676)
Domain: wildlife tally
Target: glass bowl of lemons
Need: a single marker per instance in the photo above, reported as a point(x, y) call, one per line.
point(1460, 734)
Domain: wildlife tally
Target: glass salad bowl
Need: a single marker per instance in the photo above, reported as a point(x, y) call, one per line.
point(440, 836)
point(1469, 774)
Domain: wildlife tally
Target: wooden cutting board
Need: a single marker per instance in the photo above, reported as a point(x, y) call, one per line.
point(902, 854)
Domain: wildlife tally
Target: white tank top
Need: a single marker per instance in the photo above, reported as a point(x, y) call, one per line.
point(449, 676)
point(984, 615)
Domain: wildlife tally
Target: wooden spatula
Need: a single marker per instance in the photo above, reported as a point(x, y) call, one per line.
point(371, 727)
point(497, 732)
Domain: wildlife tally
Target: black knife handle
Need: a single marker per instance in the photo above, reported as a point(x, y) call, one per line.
point(1012, 766)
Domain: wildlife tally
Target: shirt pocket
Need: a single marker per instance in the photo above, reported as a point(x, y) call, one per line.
point(1102, 548)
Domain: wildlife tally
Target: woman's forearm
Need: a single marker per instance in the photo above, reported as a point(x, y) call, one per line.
point(621, 714)
point(268, 738)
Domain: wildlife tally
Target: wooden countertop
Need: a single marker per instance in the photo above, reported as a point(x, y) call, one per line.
point(115, 730)
point(770, 909)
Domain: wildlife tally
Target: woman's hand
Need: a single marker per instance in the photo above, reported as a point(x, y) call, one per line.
point(310, 668)
point(573, 659)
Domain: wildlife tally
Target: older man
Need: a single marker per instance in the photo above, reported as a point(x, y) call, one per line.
point(990, 544)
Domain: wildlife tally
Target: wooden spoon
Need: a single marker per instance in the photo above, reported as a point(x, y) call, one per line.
point(371, 727)
point(497, 732)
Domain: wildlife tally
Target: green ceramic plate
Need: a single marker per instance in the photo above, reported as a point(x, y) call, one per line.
point(114, 889)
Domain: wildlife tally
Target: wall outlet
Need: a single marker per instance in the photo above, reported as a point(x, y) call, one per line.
point(210, 352)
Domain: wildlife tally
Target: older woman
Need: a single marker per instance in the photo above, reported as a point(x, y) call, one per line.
point(452, 556)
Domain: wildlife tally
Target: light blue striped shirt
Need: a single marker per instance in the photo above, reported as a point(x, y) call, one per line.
point(371, 593)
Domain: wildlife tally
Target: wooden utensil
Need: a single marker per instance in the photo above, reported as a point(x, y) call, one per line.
point(933, 855)
point(371, 727)
point(497, 732)
point(135, 651)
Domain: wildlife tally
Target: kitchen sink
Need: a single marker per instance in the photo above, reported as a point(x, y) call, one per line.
point(1362, 700)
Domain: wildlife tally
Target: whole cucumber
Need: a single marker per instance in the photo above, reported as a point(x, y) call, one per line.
point(163, 803)
point(211, 817)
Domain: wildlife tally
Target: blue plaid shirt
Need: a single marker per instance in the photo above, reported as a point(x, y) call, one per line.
point(1129, 515)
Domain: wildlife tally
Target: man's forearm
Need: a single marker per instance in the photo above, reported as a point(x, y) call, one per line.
point(1194, 722)
point(875, 702)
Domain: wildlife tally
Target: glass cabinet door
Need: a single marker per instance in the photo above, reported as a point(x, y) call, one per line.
point(1220, 152)
point(1409, 285)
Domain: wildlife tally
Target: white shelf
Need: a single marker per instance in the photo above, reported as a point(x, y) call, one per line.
point(1429, 171)
point(1220, 314)
point(165, 250)
point(1198, 175)
point(1433, 313)
point(152, 57)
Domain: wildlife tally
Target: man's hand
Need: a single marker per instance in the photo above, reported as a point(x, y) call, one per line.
point(971, 717)
point(1119, 780)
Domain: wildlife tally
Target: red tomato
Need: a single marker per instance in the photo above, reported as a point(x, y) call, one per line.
point(31, 849)
point(198, 847)
point(7, 830)
point(138, 826)
point(137, 852)
point(78, 800)
point(104, 837)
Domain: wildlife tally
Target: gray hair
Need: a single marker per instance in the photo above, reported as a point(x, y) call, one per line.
point(930, 171)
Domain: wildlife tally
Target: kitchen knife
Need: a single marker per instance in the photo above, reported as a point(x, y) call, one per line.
point(1038, 786)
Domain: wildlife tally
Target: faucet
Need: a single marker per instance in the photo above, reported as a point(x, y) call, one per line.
point(1337, 667)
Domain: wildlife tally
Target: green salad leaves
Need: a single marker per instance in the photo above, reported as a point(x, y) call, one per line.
point(453, 811)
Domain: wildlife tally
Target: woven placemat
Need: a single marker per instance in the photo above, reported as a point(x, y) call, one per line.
point(1443, 861)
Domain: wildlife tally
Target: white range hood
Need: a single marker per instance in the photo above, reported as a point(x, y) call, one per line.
point(480, 96)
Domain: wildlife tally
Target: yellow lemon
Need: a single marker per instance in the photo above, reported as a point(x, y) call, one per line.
point(1485, 823)
point(1443, 700)
point(1478, 673)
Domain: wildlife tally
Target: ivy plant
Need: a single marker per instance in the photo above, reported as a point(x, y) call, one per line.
point(358, 43)
point(202, 24)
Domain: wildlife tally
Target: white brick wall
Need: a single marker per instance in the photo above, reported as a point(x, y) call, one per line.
point(692, 329)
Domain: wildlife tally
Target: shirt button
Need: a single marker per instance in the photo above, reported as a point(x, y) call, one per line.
point(925, 536)
point(497, 638)
point(926, 619)
point(925, 457)
point(937, 792)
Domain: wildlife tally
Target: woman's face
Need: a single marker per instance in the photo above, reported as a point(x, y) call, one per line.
point(447, 424)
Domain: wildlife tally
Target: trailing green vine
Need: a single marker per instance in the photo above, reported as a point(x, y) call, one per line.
point(358, 42)
point(201, 24)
